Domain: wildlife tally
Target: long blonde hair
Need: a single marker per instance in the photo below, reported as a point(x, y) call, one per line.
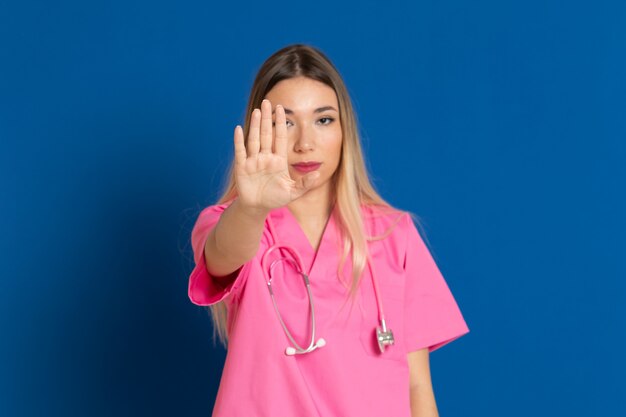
point(351, 182)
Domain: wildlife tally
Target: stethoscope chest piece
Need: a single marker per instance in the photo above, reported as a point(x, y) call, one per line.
point(384, 337)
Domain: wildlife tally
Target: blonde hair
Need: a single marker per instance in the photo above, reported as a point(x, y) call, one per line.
point(350, 182)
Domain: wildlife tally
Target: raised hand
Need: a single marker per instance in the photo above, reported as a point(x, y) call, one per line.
point(261, 165)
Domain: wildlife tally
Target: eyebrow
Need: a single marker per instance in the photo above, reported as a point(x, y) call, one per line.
point(318, 110)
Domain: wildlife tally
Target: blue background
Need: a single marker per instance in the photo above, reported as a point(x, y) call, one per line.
point(501, 124)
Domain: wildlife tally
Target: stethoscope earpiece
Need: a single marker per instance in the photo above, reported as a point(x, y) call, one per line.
point(290, 351)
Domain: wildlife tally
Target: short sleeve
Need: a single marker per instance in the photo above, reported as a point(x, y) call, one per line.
point(432, 316)
point(204, 290)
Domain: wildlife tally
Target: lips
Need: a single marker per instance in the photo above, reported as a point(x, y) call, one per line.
point(306, 166)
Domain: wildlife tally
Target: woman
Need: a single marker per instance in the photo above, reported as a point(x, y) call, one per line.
point(380, 304)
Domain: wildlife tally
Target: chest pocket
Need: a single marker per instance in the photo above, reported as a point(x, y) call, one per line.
point(391, 287)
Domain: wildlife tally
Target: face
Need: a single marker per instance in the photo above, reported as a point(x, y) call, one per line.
point(313, 126)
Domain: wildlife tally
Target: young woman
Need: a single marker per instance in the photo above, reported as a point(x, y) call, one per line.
point(326, 297)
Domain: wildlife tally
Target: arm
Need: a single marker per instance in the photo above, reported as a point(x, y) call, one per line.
point(420, 389)
point(263, 183)
point(234, 240)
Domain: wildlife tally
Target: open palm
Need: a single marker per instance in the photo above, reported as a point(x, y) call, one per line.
point(261, 165)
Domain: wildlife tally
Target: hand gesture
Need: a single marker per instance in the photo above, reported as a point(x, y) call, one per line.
point(261, 165)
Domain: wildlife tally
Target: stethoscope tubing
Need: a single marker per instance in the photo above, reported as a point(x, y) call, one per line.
point(297, 263)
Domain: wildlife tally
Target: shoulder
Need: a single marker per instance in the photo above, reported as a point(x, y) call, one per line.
point(216, 208)
point(213, 212)
point(207, 218)
point(385, 220)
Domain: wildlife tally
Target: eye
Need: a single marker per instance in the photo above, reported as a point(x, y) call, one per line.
point(326, 120)
point(274, 123)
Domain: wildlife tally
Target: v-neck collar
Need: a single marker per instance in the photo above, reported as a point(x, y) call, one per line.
point(291, 233)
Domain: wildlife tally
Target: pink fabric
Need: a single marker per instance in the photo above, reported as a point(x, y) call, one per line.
point(348, 376)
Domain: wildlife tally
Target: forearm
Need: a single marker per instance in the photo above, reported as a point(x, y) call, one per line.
point(235, 238)
point(423, 402)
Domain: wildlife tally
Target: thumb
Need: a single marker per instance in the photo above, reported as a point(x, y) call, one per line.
point(305, 183)
point(309, 180)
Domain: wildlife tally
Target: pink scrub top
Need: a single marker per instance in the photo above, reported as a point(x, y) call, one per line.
point(349, 376)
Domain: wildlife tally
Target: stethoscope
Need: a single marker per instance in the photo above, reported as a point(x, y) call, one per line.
point(384, 335)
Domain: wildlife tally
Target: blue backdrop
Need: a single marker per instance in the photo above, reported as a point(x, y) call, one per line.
point(501, 124)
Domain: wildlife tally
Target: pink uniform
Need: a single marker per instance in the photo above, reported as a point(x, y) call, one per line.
point(348, 376)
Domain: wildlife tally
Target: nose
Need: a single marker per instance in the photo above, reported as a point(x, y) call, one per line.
point(305, 140)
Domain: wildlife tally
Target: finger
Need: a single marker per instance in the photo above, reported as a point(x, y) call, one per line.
point(240, 148)
point(266, 126)
point(280, 144)
point(253, 135)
